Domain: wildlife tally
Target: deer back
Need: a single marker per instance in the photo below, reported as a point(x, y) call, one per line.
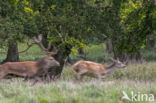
point(89, 66)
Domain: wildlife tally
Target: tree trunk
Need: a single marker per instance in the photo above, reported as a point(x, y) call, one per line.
point(68, 61)
point(55, 72)
point(150, 44)
point(12, 54)
point(81, 51)
point(61, 56)
point(82, 54)
point(109, 47)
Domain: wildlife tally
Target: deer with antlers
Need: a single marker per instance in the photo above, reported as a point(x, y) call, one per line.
point(93, 69)
point(31, 69)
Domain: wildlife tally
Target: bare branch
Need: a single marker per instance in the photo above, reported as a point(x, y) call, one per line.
point(113, 60)
point(38, 41)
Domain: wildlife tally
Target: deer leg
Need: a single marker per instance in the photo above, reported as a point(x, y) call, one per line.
point(104, 75)
point(99, 77)
point(81, 78)
point(25, 79)
point(48, 78)
point(79, 75)
point(37, 79)
point(2, 75)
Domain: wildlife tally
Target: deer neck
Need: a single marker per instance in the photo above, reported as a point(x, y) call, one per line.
point(110, 69)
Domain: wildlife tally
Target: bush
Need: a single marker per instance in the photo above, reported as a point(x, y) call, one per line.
point(149, 55)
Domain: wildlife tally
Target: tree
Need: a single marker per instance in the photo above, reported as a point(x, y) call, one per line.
point(137, 19)
point(127, 24)
point(63, 23)
point(11, 27)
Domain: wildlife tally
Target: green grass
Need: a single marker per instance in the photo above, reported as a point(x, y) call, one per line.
point(136, 78)
point(17, 91)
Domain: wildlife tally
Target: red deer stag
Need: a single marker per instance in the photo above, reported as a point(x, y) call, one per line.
point(95, 69)
point(30, 69)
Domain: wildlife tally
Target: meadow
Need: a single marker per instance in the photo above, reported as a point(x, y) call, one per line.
point(141, 79)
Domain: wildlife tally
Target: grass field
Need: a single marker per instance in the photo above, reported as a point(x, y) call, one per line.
point(16, 91)
point(136, 78)
point(141, 79)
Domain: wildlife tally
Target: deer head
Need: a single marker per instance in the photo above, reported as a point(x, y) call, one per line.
point(47, 61)
point(118, 63)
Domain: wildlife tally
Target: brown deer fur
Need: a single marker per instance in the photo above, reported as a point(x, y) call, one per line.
point(28, 68)
point(94, 69)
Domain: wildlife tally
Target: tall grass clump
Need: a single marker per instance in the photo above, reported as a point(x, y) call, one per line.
point(139, 72)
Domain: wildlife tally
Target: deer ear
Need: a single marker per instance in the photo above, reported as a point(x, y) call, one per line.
point(118, 59)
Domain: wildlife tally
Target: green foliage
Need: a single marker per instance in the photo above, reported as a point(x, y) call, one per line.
point(71, 24)
point(127, 23)
point(11, 21)
point(68, 43)
point(136, 17)
point(63, 22)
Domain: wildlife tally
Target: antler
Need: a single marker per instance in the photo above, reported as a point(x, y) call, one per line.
point(113, 60)
point(126, 62)
point(38, 41)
